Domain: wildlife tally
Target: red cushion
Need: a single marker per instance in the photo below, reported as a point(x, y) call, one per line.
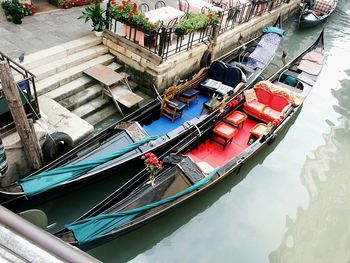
point(225, 130)
point(254, 107)
point(258, 130)
point(263, 96)
point(270, 114)
point(236, 117)
point(278, 103)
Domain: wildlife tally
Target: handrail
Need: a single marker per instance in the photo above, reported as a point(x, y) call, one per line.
point(42, 239)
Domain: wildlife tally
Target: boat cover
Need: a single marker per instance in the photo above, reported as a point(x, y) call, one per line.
point(264, 51)
point(52, 178)
point(94, 227)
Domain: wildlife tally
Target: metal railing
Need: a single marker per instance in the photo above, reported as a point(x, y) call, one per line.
point(167, 42)
point(27, 90)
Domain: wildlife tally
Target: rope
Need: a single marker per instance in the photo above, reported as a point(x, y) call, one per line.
point(49, 179)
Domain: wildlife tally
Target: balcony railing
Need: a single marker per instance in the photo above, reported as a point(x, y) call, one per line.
point(166, 42)
point(26, 87)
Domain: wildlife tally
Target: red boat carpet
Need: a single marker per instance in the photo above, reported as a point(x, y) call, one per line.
point(215, 154)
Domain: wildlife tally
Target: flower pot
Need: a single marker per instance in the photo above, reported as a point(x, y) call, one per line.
point(98, 33)
point(17, 20)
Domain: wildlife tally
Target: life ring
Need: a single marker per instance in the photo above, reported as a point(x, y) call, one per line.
point(55, 145)
point(206, 59)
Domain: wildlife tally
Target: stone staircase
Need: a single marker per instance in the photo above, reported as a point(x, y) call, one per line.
point(64, 90)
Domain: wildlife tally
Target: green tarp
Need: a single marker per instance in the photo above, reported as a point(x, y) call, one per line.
point(91, 228)
point(49, 179)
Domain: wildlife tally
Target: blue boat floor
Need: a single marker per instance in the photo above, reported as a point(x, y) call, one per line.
point(164, 125)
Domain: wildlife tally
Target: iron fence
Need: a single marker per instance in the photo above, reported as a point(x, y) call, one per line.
point(26, 87)
point(167, 42)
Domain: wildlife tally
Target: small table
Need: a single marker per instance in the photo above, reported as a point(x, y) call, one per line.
point(237, 118)
point(116, 86)
point(225, 132)
point(256, 132)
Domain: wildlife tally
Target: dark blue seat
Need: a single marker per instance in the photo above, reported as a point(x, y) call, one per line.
point(189, 95)
point(217, 70)
point(180, 105)
point(232, 77)
point(216, 73)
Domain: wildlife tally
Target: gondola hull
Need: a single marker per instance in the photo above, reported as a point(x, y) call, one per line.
point(308, 18)
point(17, 200)
point(137, 189)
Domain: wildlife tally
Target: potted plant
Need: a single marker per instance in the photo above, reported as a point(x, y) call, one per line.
point(13, 10)
point(126, 12)
point(96, 14)
point(196, 21)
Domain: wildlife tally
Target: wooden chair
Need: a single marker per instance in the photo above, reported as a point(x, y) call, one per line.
point(171, 107)
point(144, 7)
point(159, 4)
point(184, 6)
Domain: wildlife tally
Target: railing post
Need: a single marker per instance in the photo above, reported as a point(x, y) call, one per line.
point(108, 21)
point(162, 41)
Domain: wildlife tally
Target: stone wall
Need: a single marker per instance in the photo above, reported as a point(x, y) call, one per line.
point(149, 69)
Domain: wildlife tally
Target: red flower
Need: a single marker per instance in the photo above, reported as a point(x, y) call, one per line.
point(134, 7)
point(130, 15)
point(113, 2)
point(120, 6)
point(123, 2)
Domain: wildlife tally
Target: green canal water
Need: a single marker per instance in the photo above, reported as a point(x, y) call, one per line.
point(289, 204)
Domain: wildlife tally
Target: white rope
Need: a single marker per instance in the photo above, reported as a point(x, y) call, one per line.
point(37, 116)
point(195, 125)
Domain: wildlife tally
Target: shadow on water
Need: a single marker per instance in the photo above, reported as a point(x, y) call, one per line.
point(140, 240)
point(69, 207)
point(322, 231)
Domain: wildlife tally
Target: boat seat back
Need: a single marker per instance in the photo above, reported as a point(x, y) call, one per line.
point(217, 70)
point(190, 169)
point(323, 6)
point(232, 77)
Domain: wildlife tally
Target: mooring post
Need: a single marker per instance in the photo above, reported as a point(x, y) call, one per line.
point(24, 128)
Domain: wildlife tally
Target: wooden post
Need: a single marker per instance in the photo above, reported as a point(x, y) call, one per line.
point(25, 130)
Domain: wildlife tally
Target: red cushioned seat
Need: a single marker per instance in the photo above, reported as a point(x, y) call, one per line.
point(263, 96)
point(224, 131)
point(237, 118)
point(254, 107)
point(270, 114)
point(258, 130)
point(278, 103)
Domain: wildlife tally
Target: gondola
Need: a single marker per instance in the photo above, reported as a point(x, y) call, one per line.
point(203, 160)
point(315, 12)
point(155, 127)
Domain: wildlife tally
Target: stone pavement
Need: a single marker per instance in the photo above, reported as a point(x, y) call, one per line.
point(41, 31)
point(44, 30)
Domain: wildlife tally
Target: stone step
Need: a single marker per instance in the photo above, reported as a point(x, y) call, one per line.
point(76, 86)
point(93, 106)
point(82, 97)
point(104, 114)
point(66, 76)
point(146, 98)
point(69, 61)
point(57, 52)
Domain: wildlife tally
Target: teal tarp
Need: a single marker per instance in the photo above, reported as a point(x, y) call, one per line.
point(49, 179)
point(91, 228)
point(272, 29)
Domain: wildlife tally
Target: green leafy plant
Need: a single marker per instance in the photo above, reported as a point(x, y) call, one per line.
point(15, 10)
point(96, 14)
point(127, 13)
point(196, 21)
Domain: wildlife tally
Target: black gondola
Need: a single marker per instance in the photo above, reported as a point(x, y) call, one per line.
point(315, 12)
point(202, 161)
point(137, 133)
